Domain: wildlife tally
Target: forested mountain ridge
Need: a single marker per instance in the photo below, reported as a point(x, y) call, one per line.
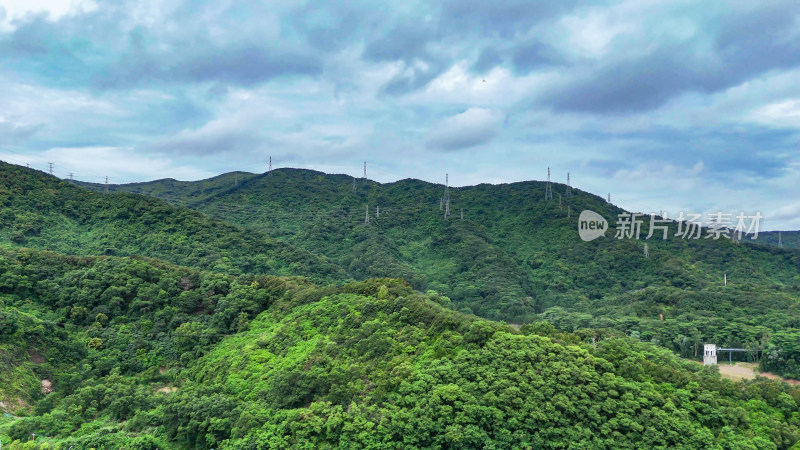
point(41, 211)
point(514, 255)
point(142, 354)
point(518, 257)
point(787, 239)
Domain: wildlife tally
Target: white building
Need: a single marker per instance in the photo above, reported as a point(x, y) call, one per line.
point(709, 354)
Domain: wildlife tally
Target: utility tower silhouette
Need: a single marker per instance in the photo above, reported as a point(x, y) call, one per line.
point(354, 185)
point(646, 251)
point(377, 212)
point(366, 219)
point(270, 164)
point(446, 199)
point(780, 240)
point(51, 168)
point(106, 184)
point(609, 197)
point(70, 176)
point(548, 192)
point(569, 187)
point(365, 171)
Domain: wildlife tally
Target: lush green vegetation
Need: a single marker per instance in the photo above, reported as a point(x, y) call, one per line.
point(40, 211)
point(518, 258)
point(142, 354)
point(185, 325)
point(789, 239)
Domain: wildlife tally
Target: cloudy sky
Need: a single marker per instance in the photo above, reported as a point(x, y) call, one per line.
point(668, 105)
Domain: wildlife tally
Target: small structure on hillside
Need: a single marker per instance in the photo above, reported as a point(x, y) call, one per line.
point(709, 354)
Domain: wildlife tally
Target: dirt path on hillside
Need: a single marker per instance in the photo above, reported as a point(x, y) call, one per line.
point(748, 371)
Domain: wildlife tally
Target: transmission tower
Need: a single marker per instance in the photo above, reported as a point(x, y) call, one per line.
point(366, 219)
point(270, 164)
point(780, 240)
point(106, 184)
point(365, 171)
point(377, 212)
point(646, 251)
point(70, 176)
point(446, 199)
point(609, 197)
point(548, 192)
point(354, 185)
point(51, 168)
point(569, 187)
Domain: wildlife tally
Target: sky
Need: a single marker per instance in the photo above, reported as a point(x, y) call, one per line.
point(668, 105)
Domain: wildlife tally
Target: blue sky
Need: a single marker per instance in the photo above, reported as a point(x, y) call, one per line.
point(667, 105)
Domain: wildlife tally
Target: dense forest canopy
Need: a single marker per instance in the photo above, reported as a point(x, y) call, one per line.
point(517, 257)
point(226, 315)
point(142, 354)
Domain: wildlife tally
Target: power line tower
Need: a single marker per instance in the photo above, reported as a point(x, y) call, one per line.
point(366, 219)
point(106, 184)
point(70, 176)
point(354, 185)
point(446, 199)
point(609, 197)
point(377, 212)
point(365, 171)
point(51, 167)
point(646, 251)
point(548, 192)
point(270, 164)
point(780, 240)
point(569, 187)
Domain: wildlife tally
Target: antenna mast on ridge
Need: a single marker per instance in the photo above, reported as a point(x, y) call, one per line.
point(270, 164)
point(548, 192)
point(569, 187)
point(446, 199)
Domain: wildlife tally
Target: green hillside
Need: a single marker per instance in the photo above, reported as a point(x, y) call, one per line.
point(142, 354)
point(517, 257)
point(789, 239)
point(41, 211)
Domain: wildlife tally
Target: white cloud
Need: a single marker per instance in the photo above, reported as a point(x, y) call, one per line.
point(54, 9)
point(472, 127)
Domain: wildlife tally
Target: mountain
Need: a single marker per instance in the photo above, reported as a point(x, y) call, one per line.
point(109, 352)
point(41, 211)
point(518, 257)
point(788, 239)
point(513, 256)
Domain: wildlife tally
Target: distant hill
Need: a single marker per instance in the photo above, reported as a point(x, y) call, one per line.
point(41, 211)
point(514, 255)
point(789, 239)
